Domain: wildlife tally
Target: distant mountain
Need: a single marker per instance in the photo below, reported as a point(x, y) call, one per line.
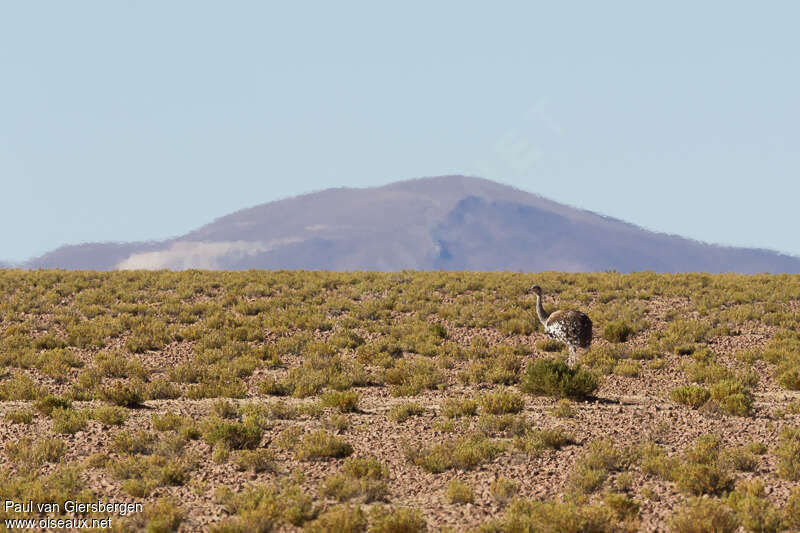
point(450, 222)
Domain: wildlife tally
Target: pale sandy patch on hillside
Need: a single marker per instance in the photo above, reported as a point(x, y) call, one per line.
point(204, 255)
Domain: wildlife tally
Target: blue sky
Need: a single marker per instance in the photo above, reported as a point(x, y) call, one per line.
point(142, 120)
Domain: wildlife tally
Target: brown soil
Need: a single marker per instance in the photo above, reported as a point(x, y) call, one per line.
point(627, 410)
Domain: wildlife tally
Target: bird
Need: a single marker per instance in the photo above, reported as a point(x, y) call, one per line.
point(569, 326)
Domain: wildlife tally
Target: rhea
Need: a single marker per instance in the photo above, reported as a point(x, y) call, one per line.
point(569, 326)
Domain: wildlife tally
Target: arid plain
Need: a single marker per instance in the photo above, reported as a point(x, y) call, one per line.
point(401, 402)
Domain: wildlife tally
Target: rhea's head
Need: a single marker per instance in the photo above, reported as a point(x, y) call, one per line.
point(537, 290)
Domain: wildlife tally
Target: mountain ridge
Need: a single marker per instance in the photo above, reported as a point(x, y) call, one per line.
point(443, 222)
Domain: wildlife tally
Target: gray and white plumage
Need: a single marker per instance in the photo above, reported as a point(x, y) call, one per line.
point(570, 326)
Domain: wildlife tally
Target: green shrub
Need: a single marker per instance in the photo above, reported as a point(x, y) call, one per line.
point(732, 396)
point(279, 410)
point(617, 332)
point(46, 404)
point(234, 435)
point(438, 330)
point(508, 425)
point(502, 368)
point(110, 415)
point(705, 370)
point(138, 442)
point(704, 515)
point(20, 387)
point(31, 455)
point(161, 389)
point(321, 445)
point(699, 479)
point(704, 469)
point(546, 377)
point(754, 510)
point(272, 387)
point(169, 421)
point(791, 511)
point(341, 518)
point(397, 520)
point(788, 376)
point(142, 474)
point(592, 469)
point(466, 453)
point(535, 441)
point(288, 438)
point(788, 453)
point(742, 459)
point(336, 423)
point(254, 460)
point(68, 421)
point(409, 377)
point(563, 409)
point(364, 479)
point(550, 345)
point(628, 368)
point(263, 507)
point(563, 517)
point(692, 395)
point(19, 416)
point(225, 409)
point(163, 516)
point(404, 411)
point(502, 402)
point(344, 401)
point(118, 365)
point(459, 492)
point(457, 408)
point(503, 490)
point(604, 358)
point(130, 394)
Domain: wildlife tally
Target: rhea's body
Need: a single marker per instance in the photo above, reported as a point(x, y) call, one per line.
point(570, 326)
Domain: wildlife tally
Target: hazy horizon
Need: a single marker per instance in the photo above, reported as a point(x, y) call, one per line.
point(142, 121)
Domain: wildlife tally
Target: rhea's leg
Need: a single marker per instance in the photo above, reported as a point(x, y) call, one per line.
point(573, 355)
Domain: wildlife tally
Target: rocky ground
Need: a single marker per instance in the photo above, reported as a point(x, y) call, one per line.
point(627, 409)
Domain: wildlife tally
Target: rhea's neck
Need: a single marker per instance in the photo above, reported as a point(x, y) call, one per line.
point(541, 313)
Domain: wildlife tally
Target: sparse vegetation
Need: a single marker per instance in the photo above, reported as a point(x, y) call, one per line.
point(110, 415)
point(617, 331)
point(234, 435)
point(129, 394)
point(404, 411)
point(555, 378)
point(344, 401)
point(502, 402)
point(262, 507)
point(550, 345)
point(593, 468)
point(465, 453)
point(691, 395)
point(460, 492)
point(704, 515)
point(364, 479)
point(503, 490)
point(535, 441)
point(29, 455)
point(117, 373)
point(68, 421)
point(396, 520)
point(563, 409)
point(454, 408)
point(19, 416)
point(788, 453)
point(322, 445)
point(524, 515)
